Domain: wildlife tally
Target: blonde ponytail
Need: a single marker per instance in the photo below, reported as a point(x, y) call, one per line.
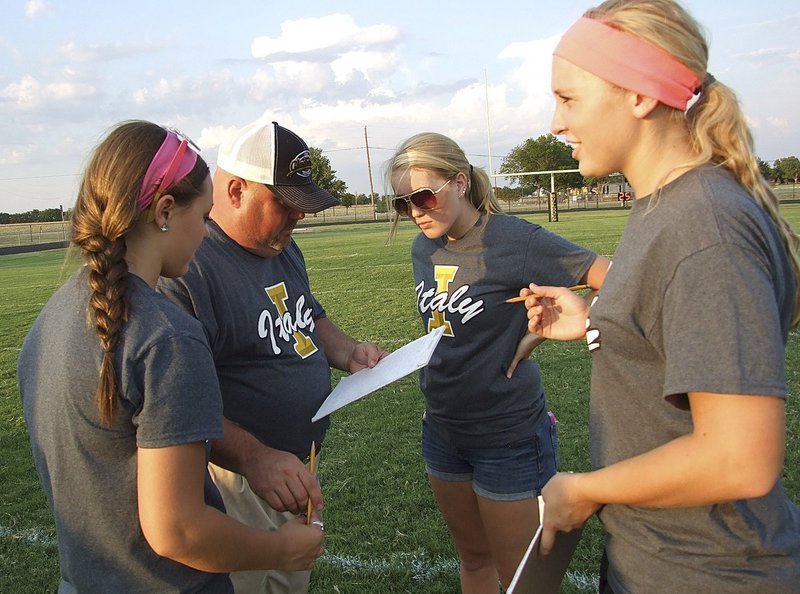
point(716, 122)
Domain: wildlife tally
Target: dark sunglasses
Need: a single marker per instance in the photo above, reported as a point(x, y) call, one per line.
point(423, 198)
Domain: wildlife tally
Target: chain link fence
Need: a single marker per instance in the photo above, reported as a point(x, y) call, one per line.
point(18, 237)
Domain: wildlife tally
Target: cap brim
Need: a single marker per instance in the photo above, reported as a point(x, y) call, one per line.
point(306, 198)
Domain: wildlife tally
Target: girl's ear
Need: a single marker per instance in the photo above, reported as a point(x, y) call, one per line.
point(164, 209)
point(462, 183)
point(643, 105)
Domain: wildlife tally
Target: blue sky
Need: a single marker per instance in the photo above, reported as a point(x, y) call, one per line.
point(70, 69)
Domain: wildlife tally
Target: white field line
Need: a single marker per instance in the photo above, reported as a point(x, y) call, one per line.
point(23, 286)
point(361, 267)
point(21, 306)
point(422, 569)
point(30, 536)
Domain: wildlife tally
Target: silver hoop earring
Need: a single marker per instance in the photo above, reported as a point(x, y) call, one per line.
point(164, 228)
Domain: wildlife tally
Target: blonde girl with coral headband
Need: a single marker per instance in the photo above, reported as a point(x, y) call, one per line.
point(119, 391)
point(688, 333)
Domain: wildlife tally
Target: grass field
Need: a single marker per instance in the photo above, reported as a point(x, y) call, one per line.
point(383, 530)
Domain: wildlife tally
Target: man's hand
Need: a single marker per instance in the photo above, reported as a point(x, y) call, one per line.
point(282, 480)
point(365, 354)
point(344, 352)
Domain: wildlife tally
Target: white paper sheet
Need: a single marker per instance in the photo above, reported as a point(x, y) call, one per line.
point(400, 363)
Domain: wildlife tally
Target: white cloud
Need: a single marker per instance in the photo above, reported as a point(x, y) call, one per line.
point(105, 52)
point(770, 56)
point(381, 91)
point(336, 31)
point(12, 50)
point(29, 93)
point(533, 73)
point(778, 122)
point(297, 79)
point(23, 94)
point(15, 155)
point(327, 116)
point(312, 53)
point(35, 8)
point(65, 91)
point(211, 136)
point(372, 65)
point(208, 91)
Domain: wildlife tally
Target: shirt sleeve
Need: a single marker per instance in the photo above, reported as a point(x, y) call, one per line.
point(180, 401)
point(194, 297)
point(552, 260)
point(721, 325)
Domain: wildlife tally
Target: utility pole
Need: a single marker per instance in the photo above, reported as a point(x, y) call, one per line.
point(369, 169)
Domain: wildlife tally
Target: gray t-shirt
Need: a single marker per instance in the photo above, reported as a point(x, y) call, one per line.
point(463, 285)
point(699, 299)
point(169, 396)
point(260, 318)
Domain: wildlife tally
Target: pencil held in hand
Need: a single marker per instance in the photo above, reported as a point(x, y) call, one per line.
point(311, 468)
point(520, 298)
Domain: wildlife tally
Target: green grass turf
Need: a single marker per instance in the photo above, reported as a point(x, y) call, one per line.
point(383, 529)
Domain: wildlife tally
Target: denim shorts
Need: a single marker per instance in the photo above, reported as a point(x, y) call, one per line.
point(509, 473)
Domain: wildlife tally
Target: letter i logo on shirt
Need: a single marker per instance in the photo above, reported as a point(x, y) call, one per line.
point(303, 345)
point(444, 275)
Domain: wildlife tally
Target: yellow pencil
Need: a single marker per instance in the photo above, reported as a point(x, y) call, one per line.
point(520, 298)
point(311, 468)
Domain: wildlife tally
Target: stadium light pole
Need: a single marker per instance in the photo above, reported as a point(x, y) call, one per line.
point(488, 121)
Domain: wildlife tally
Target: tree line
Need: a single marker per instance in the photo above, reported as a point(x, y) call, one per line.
point(545, 153)
point(548, 153)
point(34, 216)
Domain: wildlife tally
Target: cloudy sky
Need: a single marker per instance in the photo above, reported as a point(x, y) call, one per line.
point(70, 69)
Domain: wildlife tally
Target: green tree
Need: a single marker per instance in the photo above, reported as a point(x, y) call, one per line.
point(324, 175)
point(347, 199)
point(506, 194)
point(35, 216)
point(788, 168)
point(767, 170)
point(546, 153)
point(383, 203)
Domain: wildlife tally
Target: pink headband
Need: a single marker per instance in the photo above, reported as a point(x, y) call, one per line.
point(628, 62)
point(171, 163)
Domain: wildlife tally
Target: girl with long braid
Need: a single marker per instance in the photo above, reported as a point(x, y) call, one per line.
point(687, 334)
point(120, 395)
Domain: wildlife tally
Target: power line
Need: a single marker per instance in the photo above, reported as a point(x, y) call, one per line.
point(212, 163)
point(38, 177)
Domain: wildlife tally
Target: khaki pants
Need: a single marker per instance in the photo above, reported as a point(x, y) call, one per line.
point(247, 507)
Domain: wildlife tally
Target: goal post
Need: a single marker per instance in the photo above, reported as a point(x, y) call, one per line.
point(552, 202)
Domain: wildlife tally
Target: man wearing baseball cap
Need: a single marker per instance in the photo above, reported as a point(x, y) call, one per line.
point(272, 342)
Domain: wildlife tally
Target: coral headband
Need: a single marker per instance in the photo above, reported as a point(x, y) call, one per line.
point(628, 62)
point(172, 162)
